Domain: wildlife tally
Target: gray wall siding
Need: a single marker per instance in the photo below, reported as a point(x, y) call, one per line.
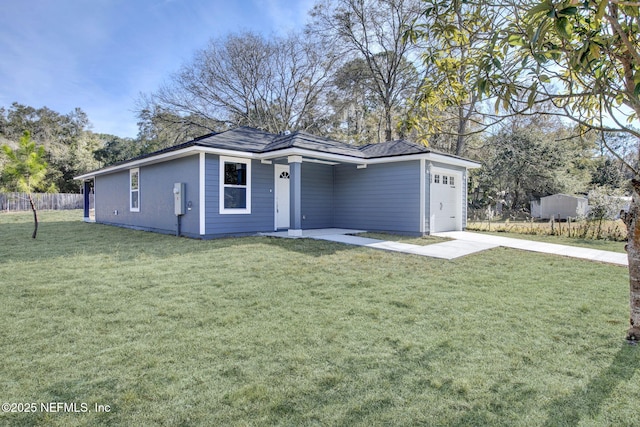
point(381, 197)
point(317, 196)
point(156, 197)
point(261, 217)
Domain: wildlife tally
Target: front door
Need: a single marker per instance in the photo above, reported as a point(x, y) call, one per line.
point(282, 196)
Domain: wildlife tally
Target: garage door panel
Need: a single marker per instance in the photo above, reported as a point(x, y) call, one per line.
point(445, 200)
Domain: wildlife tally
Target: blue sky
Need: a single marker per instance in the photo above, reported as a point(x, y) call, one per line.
point(99, 55)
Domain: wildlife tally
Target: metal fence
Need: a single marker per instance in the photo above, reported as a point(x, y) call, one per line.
point(44, 201)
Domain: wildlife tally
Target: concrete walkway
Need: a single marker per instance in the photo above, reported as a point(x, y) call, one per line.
point(463, 243)
point(445, 250)
point(547, 248)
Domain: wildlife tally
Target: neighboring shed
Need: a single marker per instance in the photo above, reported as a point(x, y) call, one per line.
point(559, 206)
point(244, 181)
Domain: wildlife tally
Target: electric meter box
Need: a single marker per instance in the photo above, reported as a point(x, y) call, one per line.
point(179, 198)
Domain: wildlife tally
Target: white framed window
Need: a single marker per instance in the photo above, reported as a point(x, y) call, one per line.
point(452, 181)
point(436, 179)
point(235, 185)
point(134, 190)
point(444, 179)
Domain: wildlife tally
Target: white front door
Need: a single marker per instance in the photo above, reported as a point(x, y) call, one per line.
point(282, 196)
point(446, 200)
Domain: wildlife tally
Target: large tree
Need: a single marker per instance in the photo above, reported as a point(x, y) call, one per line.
point(562, 161)
point(584, 57)
point(373, 32)
point(246, 79)
point(454, 35)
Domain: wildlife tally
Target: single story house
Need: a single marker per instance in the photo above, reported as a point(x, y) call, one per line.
point(559, 206)
point(245, 181)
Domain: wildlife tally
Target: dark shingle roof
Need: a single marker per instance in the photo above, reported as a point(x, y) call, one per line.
point(257, 141)
point(393, 148)
point(238, 139)
point(311, 142)
point(250, 140)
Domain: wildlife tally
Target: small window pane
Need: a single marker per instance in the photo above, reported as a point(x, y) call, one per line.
point(235, 173)
point(444, 179)
point(235, 198)
point(135, 204)
point(451, 181)
point(134, 180)
point(436, 179)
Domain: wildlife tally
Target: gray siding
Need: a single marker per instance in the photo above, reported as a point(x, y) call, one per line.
point(384, 197)
point(156, 197)
point(317, 196)
point(262, 207)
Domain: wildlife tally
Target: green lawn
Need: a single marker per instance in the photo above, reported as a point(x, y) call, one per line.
point(263, 331)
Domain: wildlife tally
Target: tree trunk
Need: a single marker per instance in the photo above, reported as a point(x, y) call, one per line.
point(35, 217)
point(388, 127)
point(633, 254)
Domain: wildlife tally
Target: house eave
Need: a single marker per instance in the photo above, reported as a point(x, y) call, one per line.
point(159, 158)
point(310, 155)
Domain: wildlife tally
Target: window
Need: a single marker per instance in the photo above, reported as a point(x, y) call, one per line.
point(444, 179)
point(436, 179)
point(134, 190)
point(235, 186)
point(451, 181)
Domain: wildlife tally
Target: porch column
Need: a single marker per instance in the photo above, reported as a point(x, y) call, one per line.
point(295, 195)
point(86, 190)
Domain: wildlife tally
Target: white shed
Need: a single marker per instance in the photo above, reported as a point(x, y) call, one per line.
point(560, 206)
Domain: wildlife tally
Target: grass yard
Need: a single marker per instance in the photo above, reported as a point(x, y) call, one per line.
point(265, 331)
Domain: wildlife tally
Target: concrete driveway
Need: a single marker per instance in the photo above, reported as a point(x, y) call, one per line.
point(533, 246)
point(462, 243)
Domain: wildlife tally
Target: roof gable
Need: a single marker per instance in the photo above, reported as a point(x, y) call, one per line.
point(241, 139)
point(393, 148)
point(312, 142)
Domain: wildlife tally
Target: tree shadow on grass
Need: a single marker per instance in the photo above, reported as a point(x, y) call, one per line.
point(587, 401)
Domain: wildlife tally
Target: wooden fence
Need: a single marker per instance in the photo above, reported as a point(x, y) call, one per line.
point(44, 201)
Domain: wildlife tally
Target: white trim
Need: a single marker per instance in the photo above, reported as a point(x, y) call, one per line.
point(294, 159)
point(159, 158)
point(445, 172)
point(297, 152)
point(131, 190)
point(277, 170)
point(423, 190)
point(322, 162)
point(202, 193)
point(221, 186)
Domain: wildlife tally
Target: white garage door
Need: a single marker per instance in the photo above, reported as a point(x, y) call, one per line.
point(446, 198)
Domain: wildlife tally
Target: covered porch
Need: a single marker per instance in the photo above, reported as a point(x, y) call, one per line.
point(312, 192)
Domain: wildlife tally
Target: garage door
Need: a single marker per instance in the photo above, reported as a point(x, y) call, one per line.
point(446, 197)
